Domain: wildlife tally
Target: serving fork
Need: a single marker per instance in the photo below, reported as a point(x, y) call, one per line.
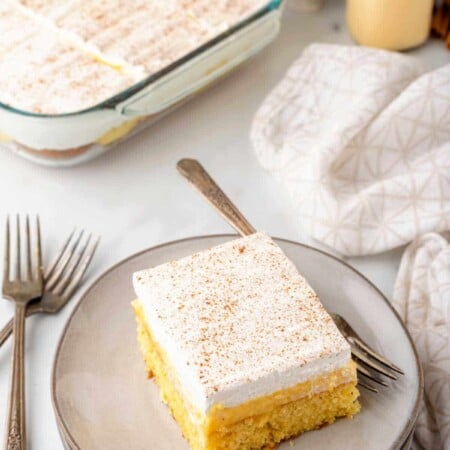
point(370, 363)
point(62, 277)
point(20, 286)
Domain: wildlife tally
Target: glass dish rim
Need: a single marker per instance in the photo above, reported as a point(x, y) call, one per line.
point(112, 102)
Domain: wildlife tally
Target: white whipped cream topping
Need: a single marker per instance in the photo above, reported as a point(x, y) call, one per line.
point(46, 75)
point(238, 321)
point(114, 42)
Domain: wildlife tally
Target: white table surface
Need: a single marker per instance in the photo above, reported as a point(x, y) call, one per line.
point(134, 198)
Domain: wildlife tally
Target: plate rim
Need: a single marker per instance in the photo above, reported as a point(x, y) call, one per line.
point(64, 430)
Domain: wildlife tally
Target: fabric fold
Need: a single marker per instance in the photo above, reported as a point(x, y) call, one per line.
point(422, 298)
point(360, 138)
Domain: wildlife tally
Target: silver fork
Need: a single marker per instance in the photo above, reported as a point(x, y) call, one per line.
point(21, 289)
point(62, 277)
point(365, 357)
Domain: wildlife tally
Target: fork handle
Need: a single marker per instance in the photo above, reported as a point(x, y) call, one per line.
point(15, 426)
point(7, 330)
point(194, 172)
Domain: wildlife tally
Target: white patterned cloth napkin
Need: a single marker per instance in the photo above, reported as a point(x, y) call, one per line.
point(360, 138)
point(422, 298)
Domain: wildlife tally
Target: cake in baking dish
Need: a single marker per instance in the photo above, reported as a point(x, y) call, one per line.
point(45, 75)
point(242, 350)
point(102, 46)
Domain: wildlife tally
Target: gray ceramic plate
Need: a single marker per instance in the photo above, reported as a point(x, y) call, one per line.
point(103, 400)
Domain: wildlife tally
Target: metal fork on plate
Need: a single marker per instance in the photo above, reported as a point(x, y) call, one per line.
point(62, 278)
point(367, 359)
point(21, 285)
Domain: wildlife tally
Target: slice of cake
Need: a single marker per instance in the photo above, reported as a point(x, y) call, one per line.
point(45, 74)
point(241, 348)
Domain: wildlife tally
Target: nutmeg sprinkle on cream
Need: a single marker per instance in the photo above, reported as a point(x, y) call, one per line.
point(238, 321)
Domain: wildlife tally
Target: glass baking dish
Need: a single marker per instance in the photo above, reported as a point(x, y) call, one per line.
point(73, 138)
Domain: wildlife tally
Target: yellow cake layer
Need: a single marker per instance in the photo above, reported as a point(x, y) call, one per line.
point(259, 423)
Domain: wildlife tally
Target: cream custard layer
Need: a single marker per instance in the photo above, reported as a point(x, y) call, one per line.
point(238, 322)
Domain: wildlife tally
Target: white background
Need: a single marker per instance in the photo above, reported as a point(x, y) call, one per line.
point(134, 198)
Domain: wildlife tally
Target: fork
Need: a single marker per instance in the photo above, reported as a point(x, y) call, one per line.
point(365, 357)
point(21, 290)
point(62, 277)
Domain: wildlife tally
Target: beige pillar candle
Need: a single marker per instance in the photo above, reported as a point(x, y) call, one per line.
point(389, 24)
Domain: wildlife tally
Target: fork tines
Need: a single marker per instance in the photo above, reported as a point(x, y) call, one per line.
point(371, 365)
point(375, 355)
point(15, 273)
point(69, 266)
